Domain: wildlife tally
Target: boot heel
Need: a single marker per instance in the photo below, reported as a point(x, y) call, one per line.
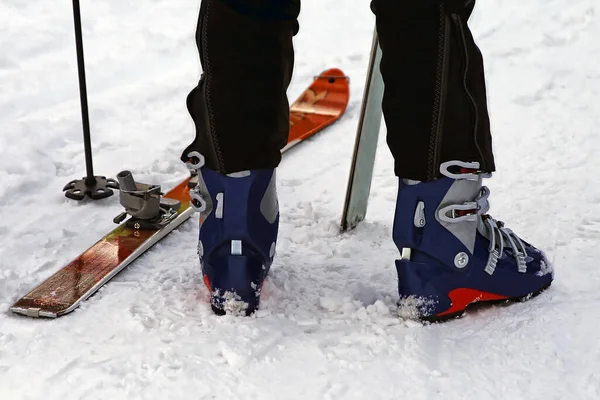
point(237, 285)
point(418, 297)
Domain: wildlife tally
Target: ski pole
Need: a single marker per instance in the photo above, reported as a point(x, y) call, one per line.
point(96, 187)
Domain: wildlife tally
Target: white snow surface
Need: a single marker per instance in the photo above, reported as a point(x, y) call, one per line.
point(327, 328)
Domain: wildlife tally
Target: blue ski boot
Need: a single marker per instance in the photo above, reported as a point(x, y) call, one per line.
point(453, 253)
point(239, 220)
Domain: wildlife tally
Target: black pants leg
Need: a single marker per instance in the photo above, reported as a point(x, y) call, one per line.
point(434, 103)
point(240, 106)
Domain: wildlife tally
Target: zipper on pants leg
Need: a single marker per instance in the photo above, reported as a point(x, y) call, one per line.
point(207, 89)
point(458, 21)
point(439, 101)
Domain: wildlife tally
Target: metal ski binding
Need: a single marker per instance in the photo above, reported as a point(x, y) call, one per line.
point(148, 210)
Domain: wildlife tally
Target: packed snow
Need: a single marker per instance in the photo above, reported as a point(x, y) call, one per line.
point(328, 326)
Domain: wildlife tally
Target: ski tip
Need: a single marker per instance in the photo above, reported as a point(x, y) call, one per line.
point(320, 105)
point(333, 73)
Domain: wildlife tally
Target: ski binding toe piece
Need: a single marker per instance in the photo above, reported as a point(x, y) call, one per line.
point(144, 203)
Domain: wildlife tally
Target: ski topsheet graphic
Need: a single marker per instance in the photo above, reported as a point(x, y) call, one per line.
point(321, 104)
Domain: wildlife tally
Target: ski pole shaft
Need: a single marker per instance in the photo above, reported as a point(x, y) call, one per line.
point(83, 94)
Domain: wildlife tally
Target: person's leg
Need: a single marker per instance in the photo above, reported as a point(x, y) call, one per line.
point(435, 109)
point(435, 104)
point(240, 105)
point(241, 113)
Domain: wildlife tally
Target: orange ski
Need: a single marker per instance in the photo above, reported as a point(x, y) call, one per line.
point(320, 105)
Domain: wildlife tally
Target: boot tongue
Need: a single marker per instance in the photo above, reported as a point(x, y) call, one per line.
point(462, 191)
point(461, 213)
point(481, 226)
